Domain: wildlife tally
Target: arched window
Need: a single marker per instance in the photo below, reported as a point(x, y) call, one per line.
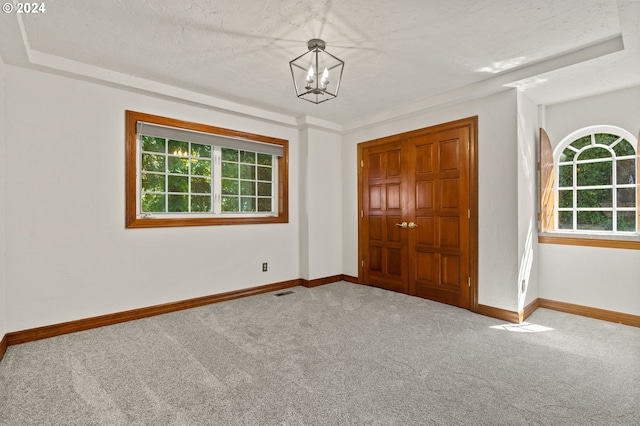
point(596, 181)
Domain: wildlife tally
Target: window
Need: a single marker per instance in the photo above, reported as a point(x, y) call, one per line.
point(596, 185)
point(184, 174)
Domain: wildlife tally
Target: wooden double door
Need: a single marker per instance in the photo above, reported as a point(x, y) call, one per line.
point(418, 222)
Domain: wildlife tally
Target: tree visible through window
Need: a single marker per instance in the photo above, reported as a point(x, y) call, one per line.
point(175, 176)
point(596, 186)
point(183, 174)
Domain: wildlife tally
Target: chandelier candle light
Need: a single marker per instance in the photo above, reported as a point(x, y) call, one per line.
point(313, 72)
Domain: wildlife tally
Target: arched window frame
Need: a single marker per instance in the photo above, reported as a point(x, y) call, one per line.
point(564, 144)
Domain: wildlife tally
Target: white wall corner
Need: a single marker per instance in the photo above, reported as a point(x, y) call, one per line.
point(323, 194)
point(309, 122)
point(527, 283)
point(303, 182)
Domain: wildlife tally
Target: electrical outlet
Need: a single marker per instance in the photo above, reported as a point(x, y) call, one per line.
point(264, 267)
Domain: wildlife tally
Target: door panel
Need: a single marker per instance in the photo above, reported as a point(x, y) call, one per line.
point(421, 179)
point(446, 241)
point(386, 246)
point(449, 232)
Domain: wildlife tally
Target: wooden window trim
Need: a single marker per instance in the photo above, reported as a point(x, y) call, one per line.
point(589, 242)
point(131, 218)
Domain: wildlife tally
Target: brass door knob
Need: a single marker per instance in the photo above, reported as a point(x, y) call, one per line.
point(412, 225)
point(403, 225)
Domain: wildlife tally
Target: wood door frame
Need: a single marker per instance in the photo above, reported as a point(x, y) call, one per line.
point(472, 124)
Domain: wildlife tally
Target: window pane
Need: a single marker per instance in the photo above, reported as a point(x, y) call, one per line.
point(595, 221)
point(264, 189)
point(152, 144)
point(178, 184)
point(153, 163)
point(247, 172)
point(198, 150)
point(247, 188)
point(565, 199)
point(153, 182)
point(229, 154)
point(230, 187)
point(178, 148)
point(624, 148)
point(229, 170)
point(565, 220)
point(593, 153)
point(200, 203)
point(230, 204)
point(627, 221)
point(595, 173)
point(178, 165)
point(566, 176)
point(264, 173)
point(247, 157)
point(153, 203)
point(178, 203)
point(567, 155)
point(626, 172)
point(626, 197)
point(265, 159)
point(582, 142)
point(248, 204)
point(201, 185)
point(606, 138)
point(264, 204)
point(200, 167)
point(595, 198)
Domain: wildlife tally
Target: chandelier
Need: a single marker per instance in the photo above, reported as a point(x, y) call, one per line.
point(316, 73)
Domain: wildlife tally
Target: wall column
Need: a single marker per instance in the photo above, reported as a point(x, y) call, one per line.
point(320, 204)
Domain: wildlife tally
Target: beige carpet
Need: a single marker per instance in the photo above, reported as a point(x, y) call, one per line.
point(331, 355)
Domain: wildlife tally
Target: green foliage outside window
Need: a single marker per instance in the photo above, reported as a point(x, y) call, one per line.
point(176, 176)
point(246, 181)
point(594, 167)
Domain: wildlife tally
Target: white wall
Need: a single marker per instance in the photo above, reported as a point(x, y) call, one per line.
point(498, 190)
point(527, 201)
point(601, 278)
point(324, 203)
point(3, 304)
point(596, 277)
point(320, 204)
point(69, 255)
point(620, 108)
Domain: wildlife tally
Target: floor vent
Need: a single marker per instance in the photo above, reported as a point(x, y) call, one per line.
point(284, 293)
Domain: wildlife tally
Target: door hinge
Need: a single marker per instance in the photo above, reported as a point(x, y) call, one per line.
point(361, 213)
point(468, 213)
point(361, 163)
point(362, 263)
point(469, 281)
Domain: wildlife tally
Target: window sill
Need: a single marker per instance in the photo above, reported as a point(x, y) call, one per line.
point(631, 241)
point(164, 223)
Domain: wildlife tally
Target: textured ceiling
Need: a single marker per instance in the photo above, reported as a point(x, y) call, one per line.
point(397, 52)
